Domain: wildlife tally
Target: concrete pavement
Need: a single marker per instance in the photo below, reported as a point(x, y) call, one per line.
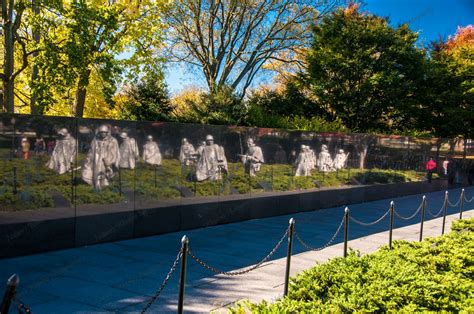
point(121, 277)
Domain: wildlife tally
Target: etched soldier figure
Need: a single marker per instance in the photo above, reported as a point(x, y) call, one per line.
point(312, 158)
point(211, 161)
point(151, 152)
point(340, 160)
point(303, 162)
point(101, 159)
point(325, 163)
point(253, 158)
point(63, 153)
point(128, 152)
point(280, 155)
point(186, 153)
point(200, 148)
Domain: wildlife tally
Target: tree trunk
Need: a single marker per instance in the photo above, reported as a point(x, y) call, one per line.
point(34, 73)
point(464, 154)
point(81, 91)
point(8, 84)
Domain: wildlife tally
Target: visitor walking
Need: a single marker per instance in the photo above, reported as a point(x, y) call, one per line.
point(430, 167)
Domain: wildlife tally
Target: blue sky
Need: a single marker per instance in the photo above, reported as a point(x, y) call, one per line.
point(431, 18)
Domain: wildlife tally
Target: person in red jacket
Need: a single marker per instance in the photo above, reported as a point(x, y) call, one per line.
point(430, 167)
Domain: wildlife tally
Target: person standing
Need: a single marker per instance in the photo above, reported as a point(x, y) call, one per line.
point(25, 148)
point(430, 167)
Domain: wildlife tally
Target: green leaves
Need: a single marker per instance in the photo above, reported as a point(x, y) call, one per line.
point(434, 275)
point(362, 70)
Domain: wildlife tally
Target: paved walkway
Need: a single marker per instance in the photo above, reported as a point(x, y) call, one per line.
point(121, 277)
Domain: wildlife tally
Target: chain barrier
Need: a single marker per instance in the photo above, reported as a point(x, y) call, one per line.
point(165, 282)
point(454, 205)
point(22, 307)
point(240, 272)
point(468, 201)
point(308, 247)
point(410, 217)
point(433, 215)
point(369, 223)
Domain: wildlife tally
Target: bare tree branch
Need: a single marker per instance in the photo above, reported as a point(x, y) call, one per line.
point(231, 40)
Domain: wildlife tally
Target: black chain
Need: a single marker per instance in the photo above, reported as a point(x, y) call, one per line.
point(410, 217)
point(454, 205)
point(240, 272)
point(308, 247)
point(439, 213)
point(165, 282)
point(369, 223)
point(468, 201)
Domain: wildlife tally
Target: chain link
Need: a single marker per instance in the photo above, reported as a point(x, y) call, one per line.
point(240, 272)
point(454, 205)
point(468, 201)
point(308, 247)
point(439, 213)
point(412, 216)
point(165, 282)
point(22, 307)
point(370, 223)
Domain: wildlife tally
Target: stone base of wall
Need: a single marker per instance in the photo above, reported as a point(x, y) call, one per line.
point(44, 230)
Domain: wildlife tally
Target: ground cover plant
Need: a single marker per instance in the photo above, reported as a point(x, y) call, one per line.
point(436, 274)
point(35, 184)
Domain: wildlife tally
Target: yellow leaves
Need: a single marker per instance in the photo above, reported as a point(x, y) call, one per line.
point(182, 102)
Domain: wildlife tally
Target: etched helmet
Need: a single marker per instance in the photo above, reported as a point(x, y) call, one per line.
point(123, 134)
point(103, 128)
point(209, 138)
point(63, 131)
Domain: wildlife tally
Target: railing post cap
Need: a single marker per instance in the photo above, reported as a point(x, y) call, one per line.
point(462, 190)
point(14, 280)
point(392, 203)
point(346, 210)
point(446, 192)
point(184, 240)
point(424, 196)
point(291, 221)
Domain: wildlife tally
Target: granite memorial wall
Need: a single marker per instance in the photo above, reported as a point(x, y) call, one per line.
point(76, 168)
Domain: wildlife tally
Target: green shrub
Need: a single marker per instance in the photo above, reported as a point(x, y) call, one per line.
point(434, 275)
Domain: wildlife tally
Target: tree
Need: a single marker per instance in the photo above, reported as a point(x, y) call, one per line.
point(446, 109)
point(106, 40)
point(364, 71)
point(12, 16)
point(147, 100)
point(231, 40)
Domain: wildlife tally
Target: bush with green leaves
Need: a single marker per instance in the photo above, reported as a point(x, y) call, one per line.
point(434, 275)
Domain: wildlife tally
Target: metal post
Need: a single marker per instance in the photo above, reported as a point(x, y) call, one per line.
point(346, 229)
point(392, 210)
point(423, 207)
point(461, 205)
point(120, 181)
point(72, 183)
point(182, 275)
point(445, 209)
point(12, 284)
point(14, 181)
point(288, 255)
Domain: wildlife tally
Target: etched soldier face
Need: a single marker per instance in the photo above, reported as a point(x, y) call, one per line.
point(62, 133)
point(209, 140)
point(149, 138)
point(103, 132)
point(250, 142)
